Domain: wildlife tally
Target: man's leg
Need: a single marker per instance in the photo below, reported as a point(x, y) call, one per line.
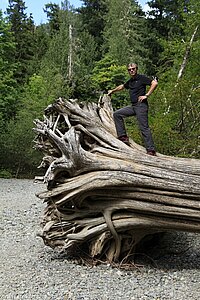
point(141, 109)
point(119, 116)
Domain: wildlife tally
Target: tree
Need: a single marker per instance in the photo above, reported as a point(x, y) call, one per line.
point(8, 84)
point(23, 31)
point(84, 56)
point(17, 140)
point(52, 11)
point(120, 33)
point(55, 62)
point(42, 41)
point(167, 17)
point(107, 74)
point(70, 57)
point(179, 76)
point(92, 15)
point(165, 24)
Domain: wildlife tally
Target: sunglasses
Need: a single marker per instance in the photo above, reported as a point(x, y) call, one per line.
point(131, 69)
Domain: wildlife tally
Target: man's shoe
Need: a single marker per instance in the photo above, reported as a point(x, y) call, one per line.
point(151, 152)
point(124, 139)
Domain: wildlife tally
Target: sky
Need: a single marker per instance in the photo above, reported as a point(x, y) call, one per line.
point(36, 7)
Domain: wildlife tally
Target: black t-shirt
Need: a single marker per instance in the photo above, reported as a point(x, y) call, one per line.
point(137, 86)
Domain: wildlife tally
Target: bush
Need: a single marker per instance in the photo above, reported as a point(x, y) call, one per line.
point(5, 174)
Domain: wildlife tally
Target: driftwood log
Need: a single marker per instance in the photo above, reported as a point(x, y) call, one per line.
point(102, 195)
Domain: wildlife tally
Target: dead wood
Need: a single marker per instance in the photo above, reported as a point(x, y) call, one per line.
point(186, 56)
point(104, 195)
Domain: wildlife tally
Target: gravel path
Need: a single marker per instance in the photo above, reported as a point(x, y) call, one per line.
point(32, 271)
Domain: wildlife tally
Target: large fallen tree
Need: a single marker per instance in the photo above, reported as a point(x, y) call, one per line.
point(102, 195)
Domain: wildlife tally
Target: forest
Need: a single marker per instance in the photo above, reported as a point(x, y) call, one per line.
point(82, 53)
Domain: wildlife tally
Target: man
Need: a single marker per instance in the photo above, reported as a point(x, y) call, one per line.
point(139, 108)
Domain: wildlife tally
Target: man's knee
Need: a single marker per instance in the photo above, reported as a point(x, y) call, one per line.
point(116, 114)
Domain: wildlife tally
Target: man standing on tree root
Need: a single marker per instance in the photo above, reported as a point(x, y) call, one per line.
point(139, 108)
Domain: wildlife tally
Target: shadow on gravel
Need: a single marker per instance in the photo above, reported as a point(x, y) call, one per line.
point(168, 251)
point(174, 250)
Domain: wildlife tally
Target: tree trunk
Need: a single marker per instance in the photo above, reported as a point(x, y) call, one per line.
point(103, 195)
point(187, 52)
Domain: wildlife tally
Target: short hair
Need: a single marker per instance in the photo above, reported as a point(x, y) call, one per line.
point(130, 64)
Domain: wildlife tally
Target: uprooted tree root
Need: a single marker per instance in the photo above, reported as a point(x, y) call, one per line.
point(104, 195)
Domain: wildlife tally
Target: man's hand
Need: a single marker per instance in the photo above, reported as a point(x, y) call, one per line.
point(117, 89)
point(142, 98)
point(110, 92)
point(153, 86)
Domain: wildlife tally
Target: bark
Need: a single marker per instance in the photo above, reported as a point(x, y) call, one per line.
point(103, 195)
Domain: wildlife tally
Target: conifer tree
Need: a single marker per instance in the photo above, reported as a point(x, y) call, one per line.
point(8, 85)
point(23, 29)
point(122, 34)
point(167, 17)
point(52, 11)
point(92, 15)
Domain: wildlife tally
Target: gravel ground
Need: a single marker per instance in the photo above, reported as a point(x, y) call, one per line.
point(32, 271)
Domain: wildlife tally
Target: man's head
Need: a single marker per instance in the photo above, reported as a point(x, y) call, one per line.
point(132, 69)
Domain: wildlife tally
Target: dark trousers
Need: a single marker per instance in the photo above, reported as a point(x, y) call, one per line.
point(140, 110)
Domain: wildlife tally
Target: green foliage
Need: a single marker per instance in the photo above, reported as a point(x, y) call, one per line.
point(175, 111)
point(17, 146)
point(82, 53)
point(92, 16)
point(54, 64)
point(133, 130)
point(166, 138)
point(167, 17)
point(106, 75)
point(123, 32)
point(17, 140)
point(5, 174)
point(86, 52)
point(42, 40)
point(8, 84)
point(22, 28)
point(52, 11)
point(35, 98)
point(84, 57)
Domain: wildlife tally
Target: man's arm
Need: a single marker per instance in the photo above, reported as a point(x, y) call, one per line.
point(117, 89)
point(153, 86)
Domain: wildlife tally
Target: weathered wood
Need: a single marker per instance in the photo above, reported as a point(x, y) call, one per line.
point(103, 194)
